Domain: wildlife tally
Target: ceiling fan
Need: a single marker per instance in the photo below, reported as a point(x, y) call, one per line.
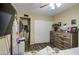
point(44, 5)
point(52, 5)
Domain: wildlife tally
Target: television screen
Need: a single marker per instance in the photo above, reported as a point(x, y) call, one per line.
point(4, 21)
point(7, 15)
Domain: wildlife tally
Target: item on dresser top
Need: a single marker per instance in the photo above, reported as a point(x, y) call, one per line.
point(64, 28)
point(69, 29)
point(55, 27)
point(72, 29)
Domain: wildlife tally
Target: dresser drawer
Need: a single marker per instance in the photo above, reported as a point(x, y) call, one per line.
point(58, 45)
point(57, 38)
point(67, 45)
point(67, 35)
point(67, 40)
point(64, 40)
point(62, 44)
point(57, 34)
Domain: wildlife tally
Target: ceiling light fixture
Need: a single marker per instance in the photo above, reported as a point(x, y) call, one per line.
point(58, 4)
point(55, 5)
point(52, 5)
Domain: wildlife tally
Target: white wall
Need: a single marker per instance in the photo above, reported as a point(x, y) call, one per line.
point(67, 15)
point(42, 31)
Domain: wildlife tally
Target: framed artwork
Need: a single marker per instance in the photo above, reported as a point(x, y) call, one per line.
point(73, 21)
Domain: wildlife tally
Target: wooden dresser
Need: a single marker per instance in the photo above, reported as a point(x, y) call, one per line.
point(63, 40)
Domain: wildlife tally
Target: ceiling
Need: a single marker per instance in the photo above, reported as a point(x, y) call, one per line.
point(34, 8)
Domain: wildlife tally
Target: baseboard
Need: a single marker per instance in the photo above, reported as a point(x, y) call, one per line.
point(40, 43)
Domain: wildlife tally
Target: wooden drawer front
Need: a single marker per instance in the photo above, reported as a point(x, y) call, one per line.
point(64, 44)
point(56, 34)
point(51, 41)
point(58, 41)
point(61, 44)
point(51, 38)
point(51, 34)
point(67, 40)
point(56, 38)
point(56, 44)
point(62, 39)
point(68, 35)
point(67, 45)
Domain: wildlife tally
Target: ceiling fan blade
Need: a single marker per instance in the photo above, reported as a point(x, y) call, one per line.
point(44, 5)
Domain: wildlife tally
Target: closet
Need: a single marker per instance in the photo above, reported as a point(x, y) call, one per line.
point(24, 27)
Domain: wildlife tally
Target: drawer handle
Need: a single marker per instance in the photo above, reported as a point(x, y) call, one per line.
point(62, 43)
point(62, 39)
point(65, 36)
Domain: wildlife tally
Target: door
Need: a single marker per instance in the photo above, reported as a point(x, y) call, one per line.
point(42, 31)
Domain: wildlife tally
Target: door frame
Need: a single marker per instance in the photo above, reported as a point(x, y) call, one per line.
point(29, 23)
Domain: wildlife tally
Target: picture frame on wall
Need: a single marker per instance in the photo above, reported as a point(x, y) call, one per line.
point(73, 22)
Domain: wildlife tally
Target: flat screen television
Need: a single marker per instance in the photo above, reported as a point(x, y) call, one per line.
point(7, 15)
